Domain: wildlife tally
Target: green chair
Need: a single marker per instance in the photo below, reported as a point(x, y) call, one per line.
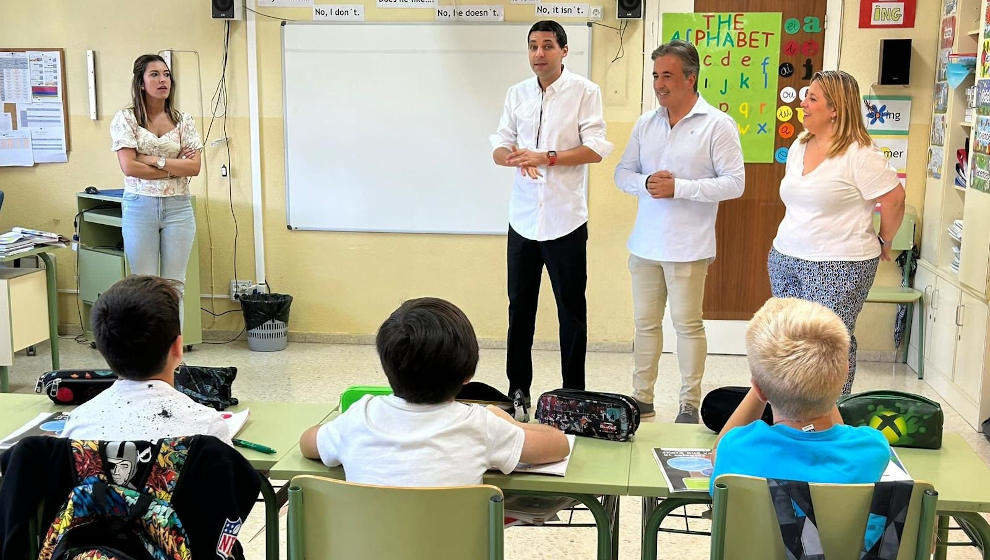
point(354, 393)
point(334, 519)
point(744, 524)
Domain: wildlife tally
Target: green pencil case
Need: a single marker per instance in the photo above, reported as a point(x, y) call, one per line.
point(354, 393)
point(905, 419)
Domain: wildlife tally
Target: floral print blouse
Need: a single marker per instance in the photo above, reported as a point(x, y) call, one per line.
point(126, 133)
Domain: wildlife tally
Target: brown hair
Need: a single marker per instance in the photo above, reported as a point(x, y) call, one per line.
point(137, 93)
point(134, 324)
point(842, 95)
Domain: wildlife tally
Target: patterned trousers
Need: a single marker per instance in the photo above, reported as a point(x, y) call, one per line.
point(841, 286)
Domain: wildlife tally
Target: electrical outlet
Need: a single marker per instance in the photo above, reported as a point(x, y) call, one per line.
point(241, 287)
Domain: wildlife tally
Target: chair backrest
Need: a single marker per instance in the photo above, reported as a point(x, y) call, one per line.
point(354, 393)
point(744, 523)
point(335, 519)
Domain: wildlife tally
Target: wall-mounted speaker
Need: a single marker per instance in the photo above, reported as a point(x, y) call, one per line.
point(227, 9)
point(629, 9)
point(895, 62)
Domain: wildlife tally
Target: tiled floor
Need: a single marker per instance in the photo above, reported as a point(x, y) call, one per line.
point(318, 372)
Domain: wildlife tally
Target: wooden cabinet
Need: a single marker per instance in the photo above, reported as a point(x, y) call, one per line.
point(944, 331)
point(971, 352)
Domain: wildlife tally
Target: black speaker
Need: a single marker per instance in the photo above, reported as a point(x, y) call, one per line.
point(629, 9)
point(895, 62)
point(226, 9)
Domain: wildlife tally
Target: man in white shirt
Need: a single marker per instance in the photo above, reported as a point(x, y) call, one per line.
point(681, 161)
point(136, 327)
point(550, 128)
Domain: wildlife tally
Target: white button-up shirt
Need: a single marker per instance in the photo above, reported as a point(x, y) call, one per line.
point(703, 153)
point(565, 116)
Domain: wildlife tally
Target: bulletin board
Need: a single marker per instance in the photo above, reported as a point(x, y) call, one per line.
point(33, 94)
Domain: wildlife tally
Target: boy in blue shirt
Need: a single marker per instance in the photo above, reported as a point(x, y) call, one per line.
point(798, 359)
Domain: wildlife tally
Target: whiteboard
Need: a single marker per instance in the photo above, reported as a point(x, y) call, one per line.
point(387, 125)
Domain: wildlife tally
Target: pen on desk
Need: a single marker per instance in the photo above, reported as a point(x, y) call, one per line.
point(254, 446)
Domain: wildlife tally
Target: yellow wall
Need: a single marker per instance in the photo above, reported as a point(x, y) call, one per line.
point(859, 55)
point(348, 282)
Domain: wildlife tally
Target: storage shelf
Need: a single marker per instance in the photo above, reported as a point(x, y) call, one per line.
point(974, 33)
point(967, 124)
point(105, 216)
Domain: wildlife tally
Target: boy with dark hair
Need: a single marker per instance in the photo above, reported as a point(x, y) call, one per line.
point(136, 327)
point(420, 436)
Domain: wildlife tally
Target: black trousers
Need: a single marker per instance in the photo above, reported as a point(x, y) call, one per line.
point(566, 262)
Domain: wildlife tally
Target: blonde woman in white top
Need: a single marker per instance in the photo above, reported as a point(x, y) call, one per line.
point(826, 249)
point(158, 149)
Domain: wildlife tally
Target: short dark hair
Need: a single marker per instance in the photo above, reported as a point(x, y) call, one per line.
point(551, 26)
point(684, 51)
point(428, 350)
point(134, 324)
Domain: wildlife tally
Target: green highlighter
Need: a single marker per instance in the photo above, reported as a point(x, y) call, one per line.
point(255, 446)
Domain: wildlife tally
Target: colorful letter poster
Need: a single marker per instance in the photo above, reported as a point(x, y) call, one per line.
point(895, 148)
point(888, 114)
point(739, 55)
point(887, 13)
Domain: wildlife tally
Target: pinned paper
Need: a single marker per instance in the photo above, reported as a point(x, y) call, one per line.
point(15, 148)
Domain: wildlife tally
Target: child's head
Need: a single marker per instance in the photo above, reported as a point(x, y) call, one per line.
point(428, 349)
point(798, 355)
point(136, 324)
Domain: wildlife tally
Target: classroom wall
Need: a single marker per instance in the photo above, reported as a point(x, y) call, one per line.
point(873, 329)
point(346, 283)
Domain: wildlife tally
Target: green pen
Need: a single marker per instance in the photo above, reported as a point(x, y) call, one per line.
point(254, 446)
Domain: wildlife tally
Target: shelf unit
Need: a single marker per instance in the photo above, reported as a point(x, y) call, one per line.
point(101, 261)
point(956, 303)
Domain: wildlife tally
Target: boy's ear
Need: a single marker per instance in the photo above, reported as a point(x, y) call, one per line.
point(756, 387)
point(175, 349)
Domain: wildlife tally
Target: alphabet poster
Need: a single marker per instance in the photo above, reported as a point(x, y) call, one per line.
point(739, 55)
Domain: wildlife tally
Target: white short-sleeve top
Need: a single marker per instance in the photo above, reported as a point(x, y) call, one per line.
point(126, 133)
point(829, 211)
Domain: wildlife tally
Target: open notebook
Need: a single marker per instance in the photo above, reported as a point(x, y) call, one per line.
point(557, 469)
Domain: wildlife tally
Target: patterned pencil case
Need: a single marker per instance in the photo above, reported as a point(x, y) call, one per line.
point(587, 413)
point(905, 419)
point(74, 386)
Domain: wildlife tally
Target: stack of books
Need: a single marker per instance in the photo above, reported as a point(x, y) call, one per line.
point(21, 240)
point(955, 231)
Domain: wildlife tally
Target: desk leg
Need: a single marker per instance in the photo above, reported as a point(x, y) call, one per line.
point(977, 529)
point(941, 537)
point(652, 524)
point(611, 504)
point(602, 518)
point(4, 382)
point(271, 518)
point(52, 306)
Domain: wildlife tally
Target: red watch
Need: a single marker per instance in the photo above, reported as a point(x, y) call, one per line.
point(551, 158)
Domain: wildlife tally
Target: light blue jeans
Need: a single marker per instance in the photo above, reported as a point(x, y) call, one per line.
point(158, 235)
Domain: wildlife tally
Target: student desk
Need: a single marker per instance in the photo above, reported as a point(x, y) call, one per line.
point(42, 253)
point(277, 425)
point(957, 473)
point(597, 468)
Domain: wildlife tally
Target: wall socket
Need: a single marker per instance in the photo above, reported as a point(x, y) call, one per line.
point(241, 287)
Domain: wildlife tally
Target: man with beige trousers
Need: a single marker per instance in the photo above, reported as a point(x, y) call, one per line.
point(681, 161)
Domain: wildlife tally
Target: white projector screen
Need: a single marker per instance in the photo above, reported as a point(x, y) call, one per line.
point(387, 125)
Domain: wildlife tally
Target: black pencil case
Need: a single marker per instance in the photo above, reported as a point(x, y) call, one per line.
point(74, 386)
point(588, 413)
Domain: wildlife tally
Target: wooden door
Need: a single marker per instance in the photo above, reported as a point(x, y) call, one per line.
point(737, 281)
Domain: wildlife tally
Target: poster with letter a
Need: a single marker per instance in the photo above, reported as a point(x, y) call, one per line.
point(739, 54)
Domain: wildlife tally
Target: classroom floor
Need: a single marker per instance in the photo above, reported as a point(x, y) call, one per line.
point(318, 372)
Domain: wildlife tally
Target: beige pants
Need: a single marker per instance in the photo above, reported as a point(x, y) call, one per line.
point(654, 283)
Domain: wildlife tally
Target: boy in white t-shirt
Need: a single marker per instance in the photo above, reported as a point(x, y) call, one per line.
point(136, 327)
point(420, 436)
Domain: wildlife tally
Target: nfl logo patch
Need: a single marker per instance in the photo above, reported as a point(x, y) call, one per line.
point(228, 537)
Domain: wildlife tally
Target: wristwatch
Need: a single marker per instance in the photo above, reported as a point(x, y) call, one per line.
point(161, 162)
point(882, 242)
point(551, 158)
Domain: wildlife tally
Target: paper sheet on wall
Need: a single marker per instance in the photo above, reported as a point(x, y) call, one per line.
point(5, 122)
point(15, 148)
point(46, 76)
point(15, 80)
point(44, 120)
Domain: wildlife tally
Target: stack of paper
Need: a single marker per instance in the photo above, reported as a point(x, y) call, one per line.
point(12, 243)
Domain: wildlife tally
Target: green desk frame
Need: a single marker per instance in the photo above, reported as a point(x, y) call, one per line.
point(50, 281)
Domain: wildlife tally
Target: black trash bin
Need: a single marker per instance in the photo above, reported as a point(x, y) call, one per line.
point(266, 320)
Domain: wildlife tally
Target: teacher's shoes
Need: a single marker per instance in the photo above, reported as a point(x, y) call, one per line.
point(687, 415)
point(520, 405)
point(645, 409)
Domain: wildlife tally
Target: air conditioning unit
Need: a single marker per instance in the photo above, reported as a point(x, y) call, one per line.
point(227, 9)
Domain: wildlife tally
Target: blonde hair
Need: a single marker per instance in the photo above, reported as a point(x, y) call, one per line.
point(842, 95)
point(798, 355)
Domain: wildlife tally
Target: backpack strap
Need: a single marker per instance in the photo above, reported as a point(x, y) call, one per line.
point(884, 527)
point(796, 519)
